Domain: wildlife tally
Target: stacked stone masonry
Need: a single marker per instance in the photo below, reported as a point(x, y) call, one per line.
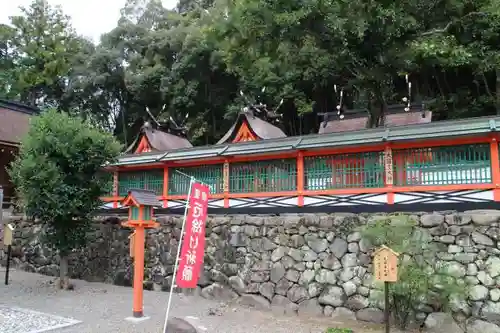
point(307, 264)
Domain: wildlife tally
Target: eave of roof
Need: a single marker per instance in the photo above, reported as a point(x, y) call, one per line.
point(19, 107)
point(441, 129)
point(10, 144)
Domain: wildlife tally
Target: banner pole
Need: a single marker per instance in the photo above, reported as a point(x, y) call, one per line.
point(190, 177)
point(172, 285)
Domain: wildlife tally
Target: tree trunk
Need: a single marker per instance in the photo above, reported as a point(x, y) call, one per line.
point(63, 273)
point(124, 126)
point(378, 109)
point(383, 113)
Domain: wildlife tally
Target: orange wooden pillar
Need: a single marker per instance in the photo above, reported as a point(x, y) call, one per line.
point(139, 240)
point(300, 178)
point(495, 168)
point(141, 204)
point(165, 187)
point(226, 183)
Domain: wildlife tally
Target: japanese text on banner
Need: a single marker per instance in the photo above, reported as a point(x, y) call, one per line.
point(193, 244)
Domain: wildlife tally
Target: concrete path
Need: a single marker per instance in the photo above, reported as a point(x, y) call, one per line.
point(31, 304)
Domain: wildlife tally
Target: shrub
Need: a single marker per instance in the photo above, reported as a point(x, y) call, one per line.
point(422, 280)
point(58, 181)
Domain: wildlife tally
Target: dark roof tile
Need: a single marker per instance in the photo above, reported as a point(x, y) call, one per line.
point(358, 122)
point(145, 197)
point(344, 125)
point(160, 141)
point(408, 118)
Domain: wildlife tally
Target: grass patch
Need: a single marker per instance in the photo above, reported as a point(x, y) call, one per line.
point(338, 330)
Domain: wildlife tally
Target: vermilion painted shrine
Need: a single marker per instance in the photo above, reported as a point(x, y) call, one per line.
point(406, 164)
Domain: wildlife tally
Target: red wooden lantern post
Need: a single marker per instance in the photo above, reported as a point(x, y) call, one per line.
point(140, 217)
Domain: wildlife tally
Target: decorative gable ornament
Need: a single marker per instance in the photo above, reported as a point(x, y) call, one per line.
point(344, 120)
point(151, 139)
point(255, 122)
point(163, 136)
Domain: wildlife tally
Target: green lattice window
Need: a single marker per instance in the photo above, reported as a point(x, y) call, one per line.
point(147, 214)
point(145, 179)
point(263, 176)
point(351, 170)
point(134, 213)
point(466, 164)
point(212, 175)
point(107, 178)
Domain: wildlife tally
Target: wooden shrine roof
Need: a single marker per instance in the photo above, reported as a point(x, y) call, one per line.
point(143, 197)
point(261, 128)
point(437, 130)
point(357, 120)
point(159, 140)
point(14, 121)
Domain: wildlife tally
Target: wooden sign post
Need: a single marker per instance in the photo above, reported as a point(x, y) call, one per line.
point(385, 267)
point(132, 244)
point(8, 236)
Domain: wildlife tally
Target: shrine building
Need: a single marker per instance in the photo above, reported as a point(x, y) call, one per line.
point(408, 163)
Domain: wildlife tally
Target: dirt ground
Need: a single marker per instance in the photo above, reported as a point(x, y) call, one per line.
point(31, 303)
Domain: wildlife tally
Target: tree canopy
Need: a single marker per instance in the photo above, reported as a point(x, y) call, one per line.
point(193, 61)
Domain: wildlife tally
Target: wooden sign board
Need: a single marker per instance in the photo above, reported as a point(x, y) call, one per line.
point(8, 234)
point(385, 264)
point(389, 178)
point(226, 176)
point(132, 244)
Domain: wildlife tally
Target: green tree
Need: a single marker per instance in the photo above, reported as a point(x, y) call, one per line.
point(44, 48)
point(162, 60)
point(195, 59)
point(458, 56)
point(7, 56)
point(301, 49)
point(56, 175)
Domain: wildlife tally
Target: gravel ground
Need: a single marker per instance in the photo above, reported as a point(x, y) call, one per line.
point(32, 303)
point(22, 320)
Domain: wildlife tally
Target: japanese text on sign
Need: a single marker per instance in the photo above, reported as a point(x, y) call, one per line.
point(389, 178)
point(193, 245)
point(385, 263)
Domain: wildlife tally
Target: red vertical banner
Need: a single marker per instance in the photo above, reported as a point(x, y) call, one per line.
point(193, 244)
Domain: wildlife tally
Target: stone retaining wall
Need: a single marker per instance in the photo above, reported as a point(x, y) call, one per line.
point(311, 264)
